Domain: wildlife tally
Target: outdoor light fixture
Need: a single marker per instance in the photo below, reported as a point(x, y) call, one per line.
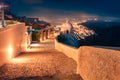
point(10, 51)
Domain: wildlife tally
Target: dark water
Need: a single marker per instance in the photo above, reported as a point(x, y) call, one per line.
point(108, 33)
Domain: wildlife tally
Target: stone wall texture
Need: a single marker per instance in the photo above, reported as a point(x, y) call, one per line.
point(94, 63)
point(67, 50)
point(98, 63)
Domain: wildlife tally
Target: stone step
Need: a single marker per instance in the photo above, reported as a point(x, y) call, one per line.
point(39, 49)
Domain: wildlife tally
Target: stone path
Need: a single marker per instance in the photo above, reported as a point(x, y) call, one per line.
point(42, 65)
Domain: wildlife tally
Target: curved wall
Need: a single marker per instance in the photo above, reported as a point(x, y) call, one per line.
point(98, 63)
point(94, 63)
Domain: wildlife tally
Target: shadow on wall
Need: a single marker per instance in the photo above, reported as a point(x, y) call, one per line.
point(71, 40)
point(61, 77)
point(68, 39)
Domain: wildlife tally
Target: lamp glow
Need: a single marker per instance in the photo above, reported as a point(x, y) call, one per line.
point(10, 51)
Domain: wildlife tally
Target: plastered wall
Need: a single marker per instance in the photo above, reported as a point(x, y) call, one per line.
point(12, 41)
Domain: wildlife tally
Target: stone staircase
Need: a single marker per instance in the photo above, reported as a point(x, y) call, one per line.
point(40, 62)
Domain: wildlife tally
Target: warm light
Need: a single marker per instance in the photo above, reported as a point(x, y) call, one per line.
point(40, 39)
point(26, 45)
point(35, 45)
point(44, 38)
point(10, 51)
point(95, 19)
point(19, 60)
point(48, 36)
point(84, 21)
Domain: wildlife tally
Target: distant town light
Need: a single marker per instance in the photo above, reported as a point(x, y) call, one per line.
point(3, 5)
point(84, 21)
point(95, 19)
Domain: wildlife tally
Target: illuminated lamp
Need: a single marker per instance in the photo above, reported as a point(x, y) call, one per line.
point(10, 51)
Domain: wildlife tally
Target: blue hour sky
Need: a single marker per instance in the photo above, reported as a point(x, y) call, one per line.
point(65, 8)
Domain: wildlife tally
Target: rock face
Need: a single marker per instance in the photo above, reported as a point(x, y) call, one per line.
point(99, 63)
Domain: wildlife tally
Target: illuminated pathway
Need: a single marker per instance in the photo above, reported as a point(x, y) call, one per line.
point(42, 46)
point(44, 64)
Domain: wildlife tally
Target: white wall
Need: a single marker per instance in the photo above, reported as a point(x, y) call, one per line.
point(12, 41)
point(98, 63)
point(94, 63)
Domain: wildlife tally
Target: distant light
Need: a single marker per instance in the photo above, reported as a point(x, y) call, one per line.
point(95, 19)
point(3, 5)
point(107, 20)
point(84, 21)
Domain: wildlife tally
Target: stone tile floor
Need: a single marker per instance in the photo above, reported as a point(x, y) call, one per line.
point(47, 64)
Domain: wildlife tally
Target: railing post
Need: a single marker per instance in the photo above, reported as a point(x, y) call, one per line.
point(39, 36)
point(47, 34)
point(42, 36)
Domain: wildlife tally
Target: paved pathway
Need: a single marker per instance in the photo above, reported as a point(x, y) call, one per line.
point(44, 64)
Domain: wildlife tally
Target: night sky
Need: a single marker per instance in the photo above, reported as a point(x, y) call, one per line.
point(65, 8)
